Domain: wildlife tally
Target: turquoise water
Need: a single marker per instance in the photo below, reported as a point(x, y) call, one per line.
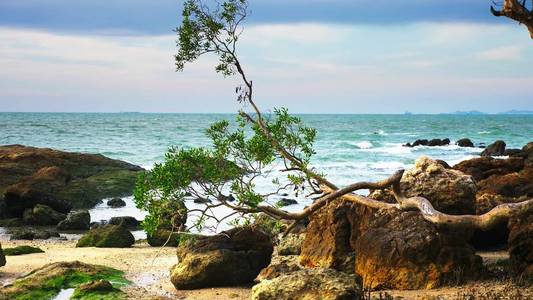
point(349, 147)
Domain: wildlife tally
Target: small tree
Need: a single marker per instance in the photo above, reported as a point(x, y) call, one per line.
point(254, 145)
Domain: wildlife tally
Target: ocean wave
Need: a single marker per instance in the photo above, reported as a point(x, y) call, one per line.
point(364, 145)
point(394, 149)
point(388, 165)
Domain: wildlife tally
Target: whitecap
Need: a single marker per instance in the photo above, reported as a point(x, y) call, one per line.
point(364, 145)
point(388, 165)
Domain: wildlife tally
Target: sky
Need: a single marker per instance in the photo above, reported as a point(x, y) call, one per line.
point(311, 56)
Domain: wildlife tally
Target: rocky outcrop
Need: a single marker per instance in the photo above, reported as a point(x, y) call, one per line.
point(230, 258)
point(430, 143)
point(61, 180)
point(28, 234)
point(126, 221)
point(279, 265)
point(116, 202)
point(2, 257)
point(324, 284)
point(108, 236)
point(464, 143)
point(291, 244)
point(401, 250)
point(163, 237)
point(42, 215)
point(449, 191)
point(495, 149)
point(483, 167)
point(78, 220)
point(521, 245)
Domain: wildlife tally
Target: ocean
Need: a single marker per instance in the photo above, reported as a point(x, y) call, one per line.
point(349, 148)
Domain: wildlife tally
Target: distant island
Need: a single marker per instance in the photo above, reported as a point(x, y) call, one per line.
point(476, 112)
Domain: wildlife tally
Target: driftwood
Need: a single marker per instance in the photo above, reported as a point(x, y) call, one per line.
point(517, 11)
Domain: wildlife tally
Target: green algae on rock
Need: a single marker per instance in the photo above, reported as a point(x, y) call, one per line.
point(49, 280)
point(108, 236)
point(22, 250)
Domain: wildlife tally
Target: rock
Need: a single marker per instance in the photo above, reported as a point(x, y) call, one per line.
point(108, 236)
point(483, 167)
point(521, 244)
point(42, 215)
point(464, 143)
point(2, 257)
point(116, 202)
point(422, 142)
point(79, 220)
point(22, 234)
point(291, 244)
point(46, 234)
point(201, 201)
point(438, 142)
point(233, 257)
point(61, 180)
point(11, 222)
point(324, 284)
point(22, 250)
point(161, 237)
point(495, 149)
point(401, 250)
point(278, 266)
point(47, 281)
point(286, 202)
point(126, 221)
point(512, 152)
point(97, 285)
point(449, 191)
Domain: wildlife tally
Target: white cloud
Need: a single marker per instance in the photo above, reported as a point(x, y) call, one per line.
point(504, 53)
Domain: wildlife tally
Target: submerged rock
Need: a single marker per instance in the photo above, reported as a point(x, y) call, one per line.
point(495, 149)
point(324, 284)
point(116, 202)
point(465, 143)
point(449, 191)
point(230, 258)
point(42, 215)
point(108, 236)
point(61, 180)
point(79, 220)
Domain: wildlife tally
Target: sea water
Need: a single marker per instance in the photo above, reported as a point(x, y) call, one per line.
point(349, 148)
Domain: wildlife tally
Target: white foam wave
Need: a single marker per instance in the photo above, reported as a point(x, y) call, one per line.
point(364, 145)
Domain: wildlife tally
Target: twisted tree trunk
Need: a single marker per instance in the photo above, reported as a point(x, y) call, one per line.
point(517, 11)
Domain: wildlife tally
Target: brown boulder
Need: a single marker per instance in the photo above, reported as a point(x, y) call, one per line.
point(495, 149)
point(449, 191)
point(521, 244)
point(401, 250)
point(233, 257)
point(484, 167)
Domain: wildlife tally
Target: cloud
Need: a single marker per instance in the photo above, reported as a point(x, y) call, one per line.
point(504, 53)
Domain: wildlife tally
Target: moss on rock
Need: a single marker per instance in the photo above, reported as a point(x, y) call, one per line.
point(22, 250)
point(108, 236)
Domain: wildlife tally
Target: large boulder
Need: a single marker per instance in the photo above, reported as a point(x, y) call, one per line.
point(116, 202)
point(233, 257)
point(483, 167)
point(61, 180)
point(521, 244)
point(163, 237)
point(2, 257)
point(108, 236)
point(401, 250)
point(42, 215)
point(495, 149)
point(464, 143)
point(78, 220)
point(324, 284)
point(126, 221)
point(449, 191)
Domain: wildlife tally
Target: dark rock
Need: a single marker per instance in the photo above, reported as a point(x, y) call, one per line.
point(422, 142)
point(233, 257)
point(22, 234)
point(464, 143)
point(438, 142)
point(324, 284)
point(108, 236)
point(201, 201)
point(42, 215)
point(521, 244)
point(2, 257)
point(61, 180)
point(79, 220)
point(116, 202)
point(512, 152)
point(12, 222)
point(484, 167)
point(401, 250)
point(98, 224)
point(46, 234)
point(495, 149)
point(286, 202)
point(126, 221)
point(229, 198)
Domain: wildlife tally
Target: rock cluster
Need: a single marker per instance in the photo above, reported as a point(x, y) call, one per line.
point(38, 178)
point(230, 258)
point(77, 220)
point(108, 236)
point(430, 143)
